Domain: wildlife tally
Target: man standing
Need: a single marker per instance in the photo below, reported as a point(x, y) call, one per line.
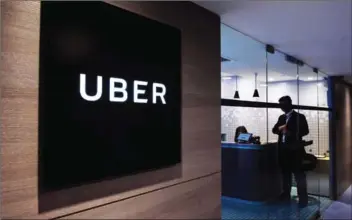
point(291, 127)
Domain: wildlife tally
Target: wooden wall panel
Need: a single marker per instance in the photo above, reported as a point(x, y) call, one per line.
point(19, 107)
point(200, 129)
point(343, 132)
point(184, 201)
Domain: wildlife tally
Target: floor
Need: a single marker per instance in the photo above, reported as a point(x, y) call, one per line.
point(238, 211)
point(341, 209)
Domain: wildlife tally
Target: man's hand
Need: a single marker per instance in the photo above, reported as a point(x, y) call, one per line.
point(283, 129)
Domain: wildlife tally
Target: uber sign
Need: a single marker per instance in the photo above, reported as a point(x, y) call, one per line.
point(122, 89)
point(109, 94)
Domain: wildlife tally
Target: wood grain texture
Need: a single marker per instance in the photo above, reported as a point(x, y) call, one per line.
point(19, 107)
point(193, 200)
point(343, 132)
point(200, 121)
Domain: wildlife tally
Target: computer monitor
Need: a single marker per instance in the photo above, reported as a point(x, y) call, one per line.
point(244, 137)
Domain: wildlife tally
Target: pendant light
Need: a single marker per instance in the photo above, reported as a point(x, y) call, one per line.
point(256, 93)
point(237, 95)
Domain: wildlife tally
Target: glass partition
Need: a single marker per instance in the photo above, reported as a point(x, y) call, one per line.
point(308, 86)
point(252, 82)
point(243, 77)
point(282, 78)
point(253, 119)
point(242, 67)
point(323, 168)
point(313, 92)
point(323, 90)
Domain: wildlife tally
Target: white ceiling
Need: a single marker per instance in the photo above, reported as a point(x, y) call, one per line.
point(317, 32)
point(249, 57)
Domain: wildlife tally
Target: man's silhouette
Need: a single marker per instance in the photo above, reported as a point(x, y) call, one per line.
point(291, 127)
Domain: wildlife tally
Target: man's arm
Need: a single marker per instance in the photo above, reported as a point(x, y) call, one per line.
point(275, 129)
point(303, 126)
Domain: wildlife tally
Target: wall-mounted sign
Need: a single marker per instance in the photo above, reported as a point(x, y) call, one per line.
point(158, 91)
point(110, 94)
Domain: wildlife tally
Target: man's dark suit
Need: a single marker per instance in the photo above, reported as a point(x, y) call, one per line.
point(291, 153)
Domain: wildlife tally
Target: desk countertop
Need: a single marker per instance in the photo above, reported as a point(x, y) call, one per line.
point(247, 146)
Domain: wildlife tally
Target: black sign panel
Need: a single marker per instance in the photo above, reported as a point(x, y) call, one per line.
point(110, 94)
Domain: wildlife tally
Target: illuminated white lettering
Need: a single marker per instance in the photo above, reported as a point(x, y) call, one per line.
point(82, 88)
point(114, 90)
point(118, 90)
point(160, 94)
point(137, 91)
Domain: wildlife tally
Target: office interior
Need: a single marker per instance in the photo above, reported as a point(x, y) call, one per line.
point(197, 193)
point(252, 79)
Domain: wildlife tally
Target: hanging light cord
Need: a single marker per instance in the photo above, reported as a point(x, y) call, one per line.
point(236, 83)
point(256, 74)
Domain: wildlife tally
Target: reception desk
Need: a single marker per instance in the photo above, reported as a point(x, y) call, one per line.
point(250, 172)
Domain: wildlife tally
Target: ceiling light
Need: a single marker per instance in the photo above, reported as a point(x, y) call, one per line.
point(226, 77)
point(310, 78)
point(256, 93)
point(237, 95)
point(271, 79)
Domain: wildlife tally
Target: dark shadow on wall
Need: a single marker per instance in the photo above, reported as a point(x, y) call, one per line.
point(63, 198)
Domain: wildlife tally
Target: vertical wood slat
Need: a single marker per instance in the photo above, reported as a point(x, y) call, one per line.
point(19, 107)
